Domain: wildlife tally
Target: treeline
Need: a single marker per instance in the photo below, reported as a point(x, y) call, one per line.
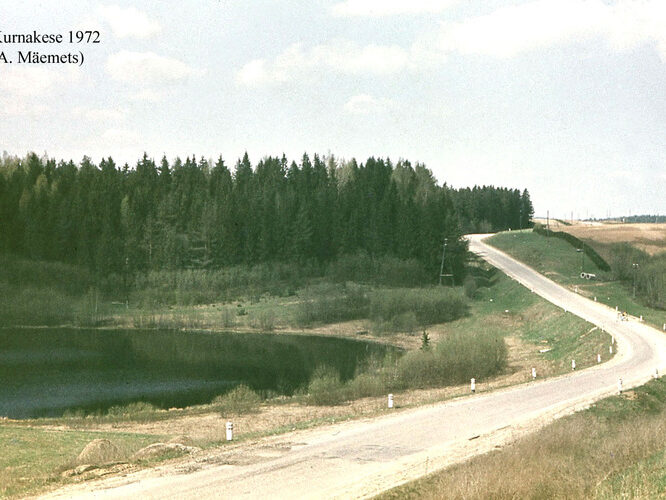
point(647, 272)
point(488, 209)
point(200, 214)
point(635, 219)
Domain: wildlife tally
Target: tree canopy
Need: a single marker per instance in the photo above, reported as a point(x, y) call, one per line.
point(199, 213)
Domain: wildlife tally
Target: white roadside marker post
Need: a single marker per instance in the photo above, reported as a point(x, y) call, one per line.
point(533, 373)
point(472, 385)
point(573, 364)
point(610, 349)
point(619, 386)
point(230, 431)
point(390, 400)
point(656, 373)
point(598, 358)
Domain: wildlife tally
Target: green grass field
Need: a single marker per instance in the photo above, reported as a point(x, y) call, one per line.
point(558, 260)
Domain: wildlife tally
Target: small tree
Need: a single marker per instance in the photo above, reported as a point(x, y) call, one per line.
point(425, 341)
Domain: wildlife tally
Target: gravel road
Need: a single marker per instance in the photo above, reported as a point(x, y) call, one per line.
point(361, 458)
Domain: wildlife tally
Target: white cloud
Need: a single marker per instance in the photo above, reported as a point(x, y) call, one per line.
point(128, 22)
point(505, 32)
point(118, 136)
point(377, 8)
point(519, 28)
point(146, 68)
point(13, 107)
point(339, 56)
point(33, 81)
point(364, 104)
point(148, 95)
point(25, 90)
point(253, 72)
point(98, 114)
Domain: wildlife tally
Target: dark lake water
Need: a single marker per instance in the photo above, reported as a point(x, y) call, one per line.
point(44, 372)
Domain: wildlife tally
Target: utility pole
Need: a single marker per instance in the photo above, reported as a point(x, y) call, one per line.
point(441, 268)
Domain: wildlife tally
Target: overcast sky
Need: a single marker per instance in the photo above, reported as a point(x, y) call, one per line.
point(566, 98)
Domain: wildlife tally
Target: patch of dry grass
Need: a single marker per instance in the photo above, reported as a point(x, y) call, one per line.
point(589, 454)
point(650, 238)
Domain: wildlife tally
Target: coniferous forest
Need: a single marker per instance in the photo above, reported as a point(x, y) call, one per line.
point(203, 214)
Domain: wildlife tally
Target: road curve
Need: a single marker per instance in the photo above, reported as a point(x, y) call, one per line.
point(360, 459)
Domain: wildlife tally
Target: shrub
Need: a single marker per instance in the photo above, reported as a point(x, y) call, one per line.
point(266, 320)
point(332, 303)
point(455, 360)
point(404, 322)
point(240, 399)
point(365, 385)
point(325, 387)
point(397, 308)
point(469, 286)
point(131, 409)
point(384, 270)
point(228, 317)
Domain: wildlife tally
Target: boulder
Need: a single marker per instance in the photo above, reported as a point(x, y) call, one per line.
point(157, 449)
point(98, 451)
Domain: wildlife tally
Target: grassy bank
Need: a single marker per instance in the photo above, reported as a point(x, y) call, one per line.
point(616, 449)
point(558, 260)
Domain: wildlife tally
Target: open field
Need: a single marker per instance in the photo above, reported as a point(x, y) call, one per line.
point(559, 261)
point(651, 238)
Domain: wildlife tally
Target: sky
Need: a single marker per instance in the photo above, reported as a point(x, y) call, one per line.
point(565, 98)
